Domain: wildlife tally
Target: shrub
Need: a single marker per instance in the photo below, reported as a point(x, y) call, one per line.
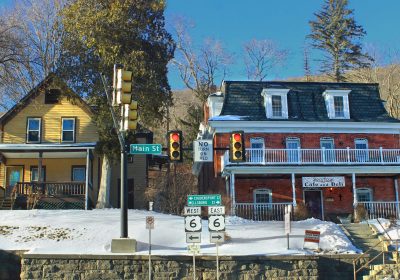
point(300, 212)
point(360, 213)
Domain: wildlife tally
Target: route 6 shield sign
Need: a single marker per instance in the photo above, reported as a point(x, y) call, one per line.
point(192, 223)
point(216, 223)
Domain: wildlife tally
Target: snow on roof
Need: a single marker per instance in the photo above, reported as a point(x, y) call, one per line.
point(227, 118)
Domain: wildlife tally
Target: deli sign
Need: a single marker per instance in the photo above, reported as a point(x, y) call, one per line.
point(323, 182)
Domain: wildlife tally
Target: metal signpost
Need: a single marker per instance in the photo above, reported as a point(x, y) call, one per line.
point(288, 226)
point(203, 150)
point(204, 200)
point(150, 226)
point(195, 249)
point(216, 226)
point(145, 149)
point(193, 232)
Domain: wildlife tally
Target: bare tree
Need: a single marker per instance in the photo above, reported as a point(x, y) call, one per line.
point(199, 67)
point(37, 30)
point(261, 57)
point(385, 70)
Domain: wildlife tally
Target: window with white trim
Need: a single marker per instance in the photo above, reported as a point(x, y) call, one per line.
point(361, 149)
point(292, 149)
point(68, 130)
point(364, 194)
point(262, 196)
point(33, 127)
point(275, 102)
point(78, 173)
point(337, 104)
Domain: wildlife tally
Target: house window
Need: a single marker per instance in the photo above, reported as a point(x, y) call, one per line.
point(68, 129)
point(78, 173)
point(276, 105)
point(262, 196)
point(33, 130)
point(52, 96)
point(35, 173)
point(364, 194)
point(337, 104)
point(275, 102)
point(361, 150)
point(292, 146)
point(327, 147)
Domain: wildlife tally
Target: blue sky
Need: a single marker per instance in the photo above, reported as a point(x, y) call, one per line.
point(285, 21)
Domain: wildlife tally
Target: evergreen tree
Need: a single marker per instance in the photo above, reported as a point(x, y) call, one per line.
point(336, 33)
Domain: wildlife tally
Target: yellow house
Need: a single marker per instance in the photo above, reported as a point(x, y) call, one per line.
point(47, 148)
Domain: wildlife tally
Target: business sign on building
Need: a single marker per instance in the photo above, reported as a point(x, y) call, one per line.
point(323, 182)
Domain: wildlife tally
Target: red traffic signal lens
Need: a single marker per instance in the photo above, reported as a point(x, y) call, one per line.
point(237, 137)
point(175, 136)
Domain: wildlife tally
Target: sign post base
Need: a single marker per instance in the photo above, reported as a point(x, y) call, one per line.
point(123, 245)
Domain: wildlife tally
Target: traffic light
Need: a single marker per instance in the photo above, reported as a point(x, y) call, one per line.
point(237, 147)
point(124, 86)
point(133, 115)
point(174, 138)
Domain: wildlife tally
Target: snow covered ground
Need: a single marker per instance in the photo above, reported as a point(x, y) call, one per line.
point(385, 225)
point(90, 232)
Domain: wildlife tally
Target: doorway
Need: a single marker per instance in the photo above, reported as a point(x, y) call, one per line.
point(313, 202)
point(14, 175)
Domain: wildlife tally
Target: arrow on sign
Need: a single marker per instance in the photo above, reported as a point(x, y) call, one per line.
point(217, 237)
point(193, 237)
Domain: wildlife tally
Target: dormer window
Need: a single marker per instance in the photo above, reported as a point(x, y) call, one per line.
point(275, 102)
point(337, 104)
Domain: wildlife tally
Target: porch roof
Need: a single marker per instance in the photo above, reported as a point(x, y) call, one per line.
point(50, 150)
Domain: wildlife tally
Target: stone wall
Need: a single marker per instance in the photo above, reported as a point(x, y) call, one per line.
point(93, 267)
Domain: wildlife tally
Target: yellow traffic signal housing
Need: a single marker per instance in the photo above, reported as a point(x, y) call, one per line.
point(133, 115)
point(124, 85)
point(237, 147)
point(174, 139)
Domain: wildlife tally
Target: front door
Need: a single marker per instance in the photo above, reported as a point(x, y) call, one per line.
point(257, 150)
point(313, 202)
point(14, 175)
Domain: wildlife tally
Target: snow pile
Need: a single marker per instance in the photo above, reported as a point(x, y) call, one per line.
point(90, 232)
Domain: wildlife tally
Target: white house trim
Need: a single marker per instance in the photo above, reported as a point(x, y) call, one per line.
point(305, 127)
point(267, 93)
point(329, 102)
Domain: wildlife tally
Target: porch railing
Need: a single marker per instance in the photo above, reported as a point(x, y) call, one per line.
point(261, 211)
point(320, 156)
point(49, 188)
point(381, 209)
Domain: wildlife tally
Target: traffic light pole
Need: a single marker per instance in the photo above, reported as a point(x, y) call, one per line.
point(121, 138)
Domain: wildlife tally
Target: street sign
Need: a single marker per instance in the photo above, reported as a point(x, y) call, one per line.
point(150, 222)
point(145, 149)
point(192, 211)
point(312, 236)
point(217, 237)
point(203, 150)
point(216, 223)
point(194, 248)
point(204, 200)
point(216, 210)
point(193, 237)
point(192, 223)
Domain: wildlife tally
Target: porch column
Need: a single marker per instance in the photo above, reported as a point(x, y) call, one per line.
point(87, 179)
point(40, 175)
point(294, 190)
point(396, 192)
point(353, 179)
point(233, 201)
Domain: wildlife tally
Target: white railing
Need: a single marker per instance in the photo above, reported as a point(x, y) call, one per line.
point(320, 156)
point(381, 209)
point(261, 211)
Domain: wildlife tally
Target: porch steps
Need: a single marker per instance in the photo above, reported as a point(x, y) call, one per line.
point(364, 238)
point(6, 204)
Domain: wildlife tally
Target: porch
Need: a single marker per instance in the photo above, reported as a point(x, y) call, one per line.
point(47, 174)
point(276, 211)
point(319, 157)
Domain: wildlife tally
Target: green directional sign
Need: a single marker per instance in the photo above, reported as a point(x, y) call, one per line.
point(204, 200)
point(146, 149)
